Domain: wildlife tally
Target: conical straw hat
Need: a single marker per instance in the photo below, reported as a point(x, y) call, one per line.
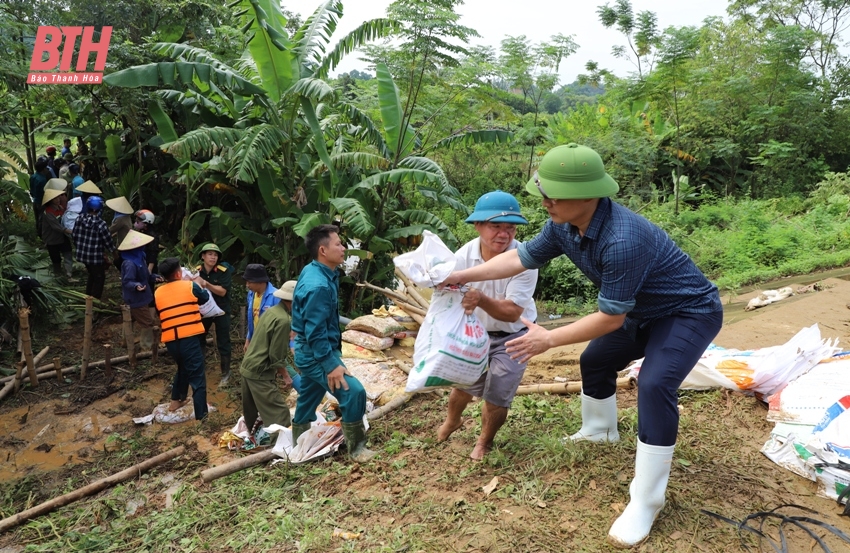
point(120, 205)
point(56, 184)
point(134, 239)
point(50, 194)
point(89, 188)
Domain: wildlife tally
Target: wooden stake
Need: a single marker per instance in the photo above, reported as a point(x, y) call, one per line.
point(24, 318)
point(566, 387)
point(157, 334)
point(40, 356)
point(107, 360)
point(92, 488)
point(57, 366)
point(19, 373)
point(239, 464)
point(87, 337)
point(128, 335)
point(411, 290)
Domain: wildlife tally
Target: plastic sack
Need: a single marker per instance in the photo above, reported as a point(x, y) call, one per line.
point(376, 326)
point(72, 213)
point(451, 348)
point(209, 308)
point(429, 264)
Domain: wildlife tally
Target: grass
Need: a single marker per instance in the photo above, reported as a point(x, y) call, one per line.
point(424, 496)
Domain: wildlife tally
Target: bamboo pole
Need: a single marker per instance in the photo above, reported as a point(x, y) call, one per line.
point(47, 369)
point(411, 290)
point(18, 378)
point(24, 318)
point(107, 360)
point(395, 296)
point(239, 464)
point(566, 387)
point(94, 487)
point(391, 405)
point(128, 335)
point(87, 337)
point(157, 335)
point(37, 359)
point(57, 366)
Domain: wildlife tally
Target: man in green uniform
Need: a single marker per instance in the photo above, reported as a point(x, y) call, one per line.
point(267, 357)
point(218, 276)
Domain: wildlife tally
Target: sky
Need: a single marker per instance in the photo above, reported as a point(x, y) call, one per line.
point(536, 19)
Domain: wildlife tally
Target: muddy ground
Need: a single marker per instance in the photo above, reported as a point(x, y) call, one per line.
point(61, 427)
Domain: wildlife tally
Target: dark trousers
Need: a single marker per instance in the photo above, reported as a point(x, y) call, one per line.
point(95, 280)
point(186, 352)
point(672, 346)
point(263, 398)
point(222, 333)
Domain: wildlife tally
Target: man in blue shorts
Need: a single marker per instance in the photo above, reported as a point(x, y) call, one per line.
point(498, 304)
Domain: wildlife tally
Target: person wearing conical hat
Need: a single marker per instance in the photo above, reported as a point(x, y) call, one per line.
point(653, 302)
point(62, 186)
point(137, 284)
point(54, 235)
point(122, 222)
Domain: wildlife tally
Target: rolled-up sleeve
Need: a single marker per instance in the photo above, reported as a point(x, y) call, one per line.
point(540, 249)
point(626, 265)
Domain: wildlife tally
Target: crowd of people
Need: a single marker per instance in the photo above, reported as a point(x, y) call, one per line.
point(653, 302)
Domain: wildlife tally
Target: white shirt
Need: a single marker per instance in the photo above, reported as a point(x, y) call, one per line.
point(518, 289)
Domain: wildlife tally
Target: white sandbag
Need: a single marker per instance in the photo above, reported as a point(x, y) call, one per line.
point(451, 347)
point(376, 326)
point(210, 308)
point(429, 264)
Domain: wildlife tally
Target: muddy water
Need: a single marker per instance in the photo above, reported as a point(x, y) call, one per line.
point(34, 439)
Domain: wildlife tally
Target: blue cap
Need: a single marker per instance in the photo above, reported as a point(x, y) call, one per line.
point(94, 203)
point(497, 207)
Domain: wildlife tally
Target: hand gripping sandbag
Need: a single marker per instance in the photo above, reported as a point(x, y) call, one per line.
point(451, 347)
point(429, 264)
point(209, 308)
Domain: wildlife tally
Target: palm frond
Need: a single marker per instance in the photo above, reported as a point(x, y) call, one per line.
point(258, 144)
point(487, 136)
point(315, 89)
point(363, 160)
point(355, 216)
point(313, 36)
point(169, 73)
point(206, 140)
point(13, 156)
point(368, 129)
point(366, 32)
point(419, 220)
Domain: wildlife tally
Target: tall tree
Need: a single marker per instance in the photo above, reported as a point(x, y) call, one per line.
point(640, 30)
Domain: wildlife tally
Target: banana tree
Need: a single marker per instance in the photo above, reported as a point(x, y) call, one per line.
point(257, 116)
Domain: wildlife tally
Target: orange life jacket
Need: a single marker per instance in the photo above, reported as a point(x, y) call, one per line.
point(178, 310)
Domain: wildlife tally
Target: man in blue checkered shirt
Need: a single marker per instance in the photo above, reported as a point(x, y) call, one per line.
point(653, 302)
point(92, 240)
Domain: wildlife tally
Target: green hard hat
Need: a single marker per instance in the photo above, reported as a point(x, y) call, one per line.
point(572, 172)
point(210, 247)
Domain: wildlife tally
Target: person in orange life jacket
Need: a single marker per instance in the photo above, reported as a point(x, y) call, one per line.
point(260, 296)
point(55, 236)
point(180, 319)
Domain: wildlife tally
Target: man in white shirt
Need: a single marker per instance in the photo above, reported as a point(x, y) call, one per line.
point(498, 304)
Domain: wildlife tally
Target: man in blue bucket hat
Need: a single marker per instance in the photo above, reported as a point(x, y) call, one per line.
point(653, 302)
point(498, 304)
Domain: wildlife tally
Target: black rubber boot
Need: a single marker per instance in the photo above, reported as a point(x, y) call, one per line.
point(297, 430)
point(355, 441)
point(225, 370)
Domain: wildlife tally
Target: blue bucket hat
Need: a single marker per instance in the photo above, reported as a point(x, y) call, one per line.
point(497, 207)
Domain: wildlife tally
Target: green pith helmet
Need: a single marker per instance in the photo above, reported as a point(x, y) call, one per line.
point(210, 247)
point(572, 172)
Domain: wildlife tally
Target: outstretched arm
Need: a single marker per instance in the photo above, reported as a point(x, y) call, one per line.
point(503, 265)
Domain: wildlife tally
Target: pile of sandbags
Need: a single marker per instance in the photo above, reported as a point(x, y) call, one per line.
point(377, 332)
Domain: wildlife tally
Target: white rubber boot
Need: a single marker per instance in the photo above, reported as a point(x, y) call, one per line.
point(652, 471)
point(598, 420)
